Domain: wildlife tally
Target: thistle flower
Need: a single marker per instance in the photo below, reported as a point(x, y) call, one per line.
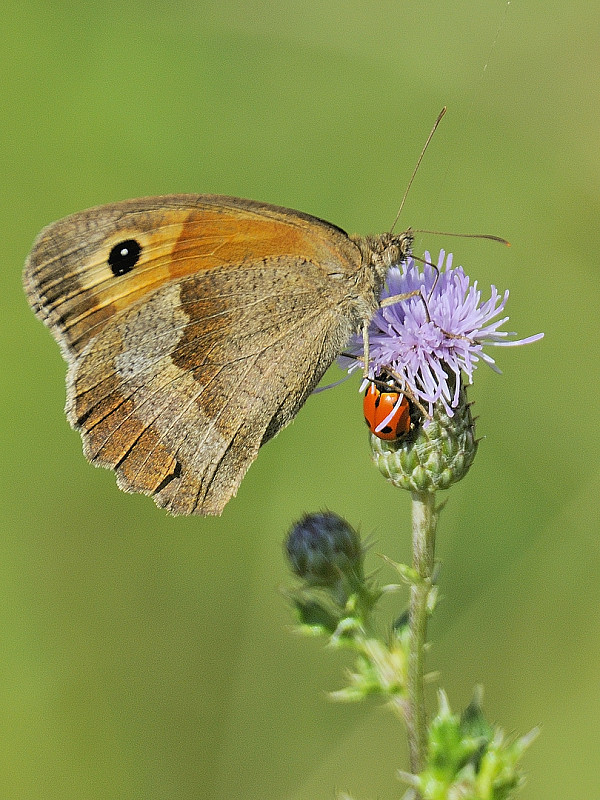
point(432, 338)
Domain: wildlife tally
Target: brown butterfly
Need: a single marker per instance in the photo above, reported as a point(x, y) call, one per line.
point(195, 327)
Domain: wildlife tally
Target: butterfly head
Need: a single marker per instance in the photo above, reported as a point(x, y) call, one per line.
point(379, 253)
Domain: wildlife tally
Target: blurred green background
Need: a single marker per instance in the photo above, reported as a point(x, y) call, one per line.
point(143, 656)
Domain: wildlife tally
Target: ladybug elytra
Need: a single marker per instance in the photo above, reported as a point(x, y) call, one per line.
point(386, 406)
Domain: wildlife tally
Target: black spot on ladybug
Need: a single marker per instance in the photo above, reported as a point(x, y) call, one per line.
point(124, 256)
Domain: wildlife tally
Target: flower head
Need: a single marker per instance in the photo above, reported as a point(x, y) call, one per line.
point(429, 339)
point(323, 547)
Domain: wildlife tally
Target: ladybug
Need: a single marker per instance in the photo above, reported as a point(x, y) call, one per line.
point(379, 404)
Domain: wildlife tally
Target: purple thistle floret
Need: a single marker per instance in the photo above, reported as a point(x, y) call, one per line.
point(430, 339)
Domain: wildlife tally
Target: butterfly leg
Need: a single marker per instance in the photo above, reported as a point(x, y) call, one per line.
point(397, 298)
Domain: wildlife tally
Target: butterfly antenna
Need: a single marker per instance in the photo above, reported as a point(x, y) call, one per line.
point(466, 235)
point(429, 138)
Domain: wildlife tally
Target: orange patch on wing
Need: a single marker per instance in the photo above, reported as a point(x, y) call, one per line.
point(212, 238)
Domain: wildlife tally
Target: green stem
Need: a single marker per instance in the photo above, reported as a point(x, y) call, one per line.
point(424, 521)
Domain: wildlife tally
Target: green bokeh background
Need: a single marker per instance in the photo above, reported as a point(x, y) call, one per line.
point(143, 656)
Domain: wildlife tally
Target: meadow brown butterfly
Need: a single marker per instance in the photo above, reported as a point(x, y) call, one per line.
point(194, 328)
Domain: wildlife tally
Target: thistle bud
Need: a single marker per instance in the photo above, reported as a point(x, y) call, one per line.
point(435, 455)
point(323, 548)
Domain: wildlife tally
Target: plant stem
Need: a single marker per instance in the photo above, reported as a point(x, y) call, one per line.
point(424, 521)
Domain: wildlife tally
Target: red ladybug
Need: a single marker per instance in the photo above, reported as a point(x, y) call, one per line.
point(378, 404)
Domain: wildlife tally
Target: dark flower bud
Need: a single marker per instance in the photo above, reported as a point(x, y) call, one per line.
point(323, 548)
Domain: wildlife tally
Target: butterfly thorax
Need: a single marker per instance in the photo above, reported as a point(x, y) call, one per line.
point(378, 254)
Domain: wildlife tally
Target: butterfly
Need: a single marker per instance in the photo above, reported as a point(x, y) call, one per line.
point(195, 327)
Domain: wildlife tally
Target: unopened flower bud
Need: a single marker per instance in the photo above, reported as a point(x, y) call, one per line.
point(322, 548)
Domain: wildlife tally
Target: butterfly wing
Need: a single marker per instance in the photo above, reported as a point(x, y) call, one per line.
point(183, 364)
